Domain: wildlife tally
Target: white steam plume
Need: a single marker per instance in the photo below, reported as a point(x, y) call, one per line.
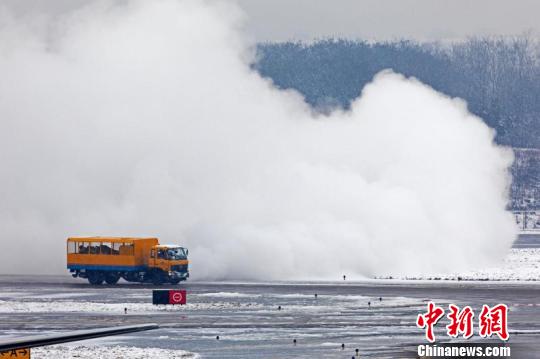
point(144, 118)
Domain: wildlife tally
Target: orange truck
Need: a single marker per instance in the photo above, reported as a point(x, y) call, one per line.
point(107, 259)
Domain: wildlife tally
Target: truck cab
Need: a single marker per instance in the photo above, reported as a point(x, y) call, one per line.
point(169, 261)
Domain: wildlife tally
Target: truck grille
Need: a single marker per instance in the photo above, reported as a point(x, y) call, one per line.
point(180, 268)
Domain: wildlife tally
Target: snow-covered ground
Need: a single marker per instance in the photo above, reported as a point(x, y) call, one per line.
point(67, 306)
point(105, 352)
point(521, 264)
point(222, 301)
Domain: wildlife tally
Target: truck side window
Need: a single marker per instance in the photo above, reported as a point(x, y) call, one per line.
point(106, 248)
point(72, 247)
point(116, 248)
point(95, 248)
point(83, 247)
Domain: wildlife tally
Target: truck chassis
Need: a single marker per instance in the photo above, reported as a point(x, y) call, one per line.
point(155, 276)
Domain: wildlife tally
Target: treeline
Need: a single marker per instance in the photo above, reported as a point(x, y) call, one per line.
point(525, 188)
point(498, 77)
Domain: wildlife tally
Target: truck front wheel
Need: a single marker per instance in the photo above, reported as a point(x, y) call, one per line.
point(158, 278)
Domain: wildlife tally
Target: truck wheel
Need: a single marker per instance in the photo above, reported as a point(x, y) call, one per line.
point(112, 278)
point(95, 278)
point(157, 279)
point(175, 281)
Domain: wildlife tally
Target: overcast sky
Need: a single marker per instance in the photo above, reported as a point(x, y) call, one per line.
point(277, 20)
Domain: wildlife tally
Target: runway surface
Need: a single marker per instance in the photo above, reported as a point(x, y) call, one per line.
point(249, 323)
point(528, 240)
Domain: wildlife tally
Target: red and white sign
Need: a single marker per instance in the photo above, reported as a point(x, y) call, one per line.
point(177, 297)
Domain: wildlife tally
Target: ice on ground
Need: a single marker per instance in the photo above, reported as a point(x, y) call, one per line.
point(112, 308)
point(7, 294)
point(521, 264)
point(62, 295)
point(116, 352)
point(229, 295)
point(229, 301)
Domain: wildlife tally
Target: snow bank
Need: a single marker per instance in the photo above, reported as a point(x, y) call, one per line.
point(520, 265)
point(110, 308)
point(230, 301)
point(100, 352)
point(228, 295)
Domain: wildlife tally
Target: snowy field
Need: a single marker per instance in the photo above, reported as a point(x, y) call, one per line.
point(222, 301)
point(114, 352)
point(521, 264)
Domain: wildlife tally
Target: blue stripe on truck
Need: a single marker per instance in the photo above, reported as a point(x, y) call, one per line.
point(107, 268)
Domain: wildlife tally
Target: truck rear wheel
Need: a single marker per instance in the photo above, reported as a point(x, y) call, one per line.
point(112, 278)
point(95, 277)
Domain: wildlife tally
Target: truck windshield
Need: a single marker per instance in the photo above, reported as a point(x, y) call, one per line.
point(176, 253)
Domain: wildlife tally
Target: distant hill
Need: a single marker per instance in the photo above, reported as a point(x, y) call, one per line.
point(498, 77)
